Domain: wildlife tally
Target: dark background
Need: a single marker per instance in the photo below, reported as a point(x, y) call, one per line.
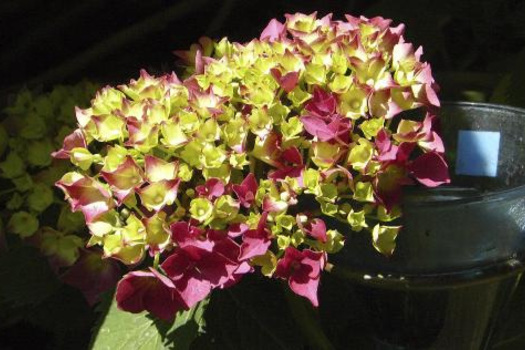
point(474, 46)
point(476, 49)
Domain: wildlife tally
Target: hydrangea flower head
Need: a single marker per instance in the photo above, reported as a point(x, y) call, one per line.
point(234, 168)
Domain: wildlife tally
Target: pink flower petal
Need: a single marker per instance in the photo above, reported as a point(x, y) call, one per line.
point(193, 289)
point(287, 82)
point(255, 242)
point(145, 290)
point(292, 155)
point(322, 103)
point(246, 190)
point(302, 269)
point(253, 245)
point(317, 229)
point(430, 169)
point(73, 140)
point(88, 196)
point(307, 289)
point(212, 189)
point(237, 230)
point(275, 30)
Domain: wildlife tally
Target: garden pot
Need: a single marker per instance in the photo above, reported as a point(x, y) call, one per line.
point(461, 251)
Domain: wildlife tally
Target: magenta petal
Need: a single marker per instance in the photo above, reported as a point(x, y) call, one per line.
point(274, 30)
point(193, 289)
point(340, 127)
point(179, 231)
point(387, 151)
point(261, 225)
point(246, 190)
point(316, 126)
point(403, 151)
point(143, 290)
point(315, 260)
point(306, 289)
point(241, 270)
point(237, 230)
point(292, 155)
point(253, 245)
point(323, 103)
point(73, 140)
point(255, 242)
point(433, 143)
point(199, 63)
point(424, 75)
point(245, 197)
point(189, 263)
point(217, 268)
point(250, 183)
point(283, 268)
point(430, 169)
point(213, 188)
point(317, 229)
point(189, 237)
point(225, 247)
point(383, 141)
point(88, 196)
point(271, 205)
point(130, 290)
point(287, 82)
point(431, 96)
point(287, 171)
point(303, 271)
point(176, 265)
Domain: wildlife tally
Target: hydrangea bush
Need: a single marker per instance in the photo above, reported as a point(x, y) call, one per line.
point(32, 126)
point(233, 169)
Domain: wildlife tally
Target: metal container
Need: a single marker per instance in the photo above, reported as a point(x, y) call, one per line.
point(461, 251)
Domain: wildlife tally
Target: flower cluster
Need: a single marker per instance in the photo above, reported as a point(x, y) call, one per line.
point(235, 168)
point(32, 126)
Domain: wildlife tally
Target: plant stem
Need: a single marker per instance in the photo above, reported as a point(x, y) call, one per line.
point(135, 208)
point(156, 261)
point(309, 324)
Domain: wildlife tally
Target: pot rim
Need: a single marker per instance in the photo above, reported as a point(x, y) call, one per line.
point(433, 281)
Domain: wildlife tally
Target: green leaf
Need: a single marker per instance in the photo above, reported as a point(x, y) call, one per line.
point(253, 315)
point(123, 330)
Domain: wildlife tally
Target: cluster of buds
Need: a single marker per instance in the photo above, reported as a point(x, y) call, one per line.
point(31, 127)
point(195, 182)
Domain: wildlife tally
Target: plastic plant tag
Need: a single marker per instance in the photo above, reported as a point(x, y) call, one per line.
point(477, 153)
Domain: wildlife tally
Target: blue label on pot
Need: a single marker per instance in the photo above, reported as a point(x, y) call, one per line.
point(477, 153)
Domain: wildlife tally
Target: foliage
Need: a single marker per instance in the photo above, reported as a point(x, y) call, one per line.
point(122, 330)
point(254, 315)
point(32, 293)
point(31, 129)
point(33, 126)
